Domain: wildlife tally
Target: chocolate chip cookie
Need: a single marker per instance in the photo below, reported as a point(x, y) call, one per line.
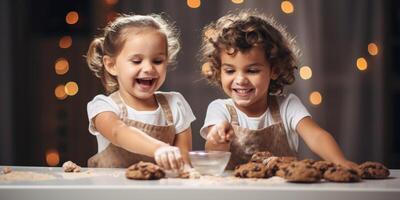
point(277, 165)
point(251, 170)
point(338, 173)
point(301, 172)
point(144, 171)
point(373, 170)
point(259, 157)
point(323, 165)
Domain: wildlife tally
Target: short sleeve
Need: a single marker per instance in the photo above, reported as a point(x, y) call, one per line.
point(181, 111)
point(294, 111)
point(216, 113)
point(99, 104)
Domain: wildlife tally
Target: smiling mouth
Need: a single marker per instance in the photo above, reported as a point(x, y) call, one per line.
point(145, 81)
point(243, 91)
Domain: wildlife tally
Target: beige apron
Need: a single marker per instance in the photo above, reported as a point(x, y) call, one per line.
point(246, 141)
point(117, 157)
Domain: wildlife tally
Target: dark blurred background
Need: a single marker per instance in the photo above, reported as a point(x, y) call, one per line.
point(349, 74)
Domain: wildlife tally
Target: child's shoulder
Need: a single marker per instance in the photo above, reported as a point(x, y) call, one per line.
point(100, 98)
point(290, 99)
point(287, 97)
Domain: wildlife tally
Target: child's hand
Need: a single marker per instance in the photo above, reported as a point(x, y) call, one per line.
point(349, 164)
point(220, 133)
point(169, 157)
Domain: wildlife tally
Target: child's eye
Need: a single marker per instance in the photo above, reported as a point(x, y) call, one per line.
point(136, 62)
point(229, 71)
point(158, 62)
point(253, 71)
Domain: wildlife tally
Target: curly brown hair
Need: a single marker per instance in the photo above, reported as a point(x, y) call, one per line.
point(112, 40)
point(241, 31)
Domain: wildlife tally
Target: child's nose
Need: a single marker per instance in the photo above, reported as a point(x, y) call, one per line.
point(147, 66)
point(241, 79)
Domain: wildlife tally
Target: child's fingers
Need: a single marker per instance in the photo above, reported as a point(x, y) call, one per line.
point(172, 160)
point(221, 134)
point(230, 135)
point(213, 137)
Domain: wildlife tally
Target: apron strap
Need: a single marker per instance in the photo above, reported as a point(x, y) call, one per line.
point(233, 113)
point(274, 106)
point(162, 100)
point(116, 97)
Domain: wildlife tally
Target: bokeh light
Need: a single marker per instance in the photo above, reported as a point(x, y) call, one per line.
point(71, 88)
point(237, 1)
point(193, 3)
point(62, 66)
point(111, 2)
point(362, 64)
point(72, 17)
point(315, 98)
point(52, 157)
point(59, 92)
point(373, 49)
point(287, 7)
point(206, 69)
point(65, 42)
point(305, 72)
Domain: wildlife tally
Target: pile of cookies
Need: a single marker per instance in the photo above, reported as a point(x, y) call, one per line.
point(265, 165)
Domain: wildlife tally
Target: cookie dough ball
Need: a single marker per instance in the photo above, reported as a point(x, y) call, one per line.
point(341, 174)
point(70, 166)
point(252, 170)
point(301, 172)
point(144, 171)
point(373, 170)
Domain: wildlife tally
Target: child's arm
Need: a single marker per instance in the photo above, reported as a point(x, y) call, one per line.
point(134, 140)
point(322, 143)
point(219, 137)
point(183, 141)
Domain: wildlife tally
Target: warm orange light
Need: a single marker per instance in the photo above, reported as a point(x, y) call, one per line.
point(305, 72)
point(72, 17)
point(65, 42)
point(206, 69)
point(71, 88)
point(62, 66)
point(362, 64)
point(373, 49)
point(59, 92)
point(287, 7)
point(315, 98)
point(193, 3)
point(237, 1)
point(111, 2)
point(52, 157)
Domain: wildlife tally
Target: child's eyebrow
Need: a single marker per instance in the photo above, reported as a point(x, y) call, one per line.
point(248, 65)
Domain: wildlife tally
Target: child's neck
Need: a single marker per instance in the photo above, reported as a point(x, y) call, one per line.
point(256, 109)
point(139, 104)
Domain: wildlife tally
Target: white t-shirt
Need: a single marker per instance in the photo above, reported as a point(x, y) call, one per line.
point(290, 107)
point(181, 112)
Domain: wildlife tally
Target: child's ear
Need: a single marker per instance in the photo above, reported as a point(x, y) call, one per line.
point(109, 64)
point(275, 72)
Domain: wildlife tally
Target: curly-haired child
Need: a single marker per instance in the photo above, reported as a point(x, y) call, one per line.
point(252, 58)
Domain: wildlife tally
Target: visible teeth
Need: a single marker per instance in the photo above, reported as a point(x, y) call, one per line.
point(242, 91)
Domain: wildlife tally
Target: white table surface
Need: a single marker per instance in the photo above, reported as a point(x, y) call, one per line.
point(111, 184)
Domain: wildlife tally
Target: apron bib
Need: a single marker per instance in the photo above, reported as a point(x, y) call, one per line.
point(117, 157)
point(247, 142)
